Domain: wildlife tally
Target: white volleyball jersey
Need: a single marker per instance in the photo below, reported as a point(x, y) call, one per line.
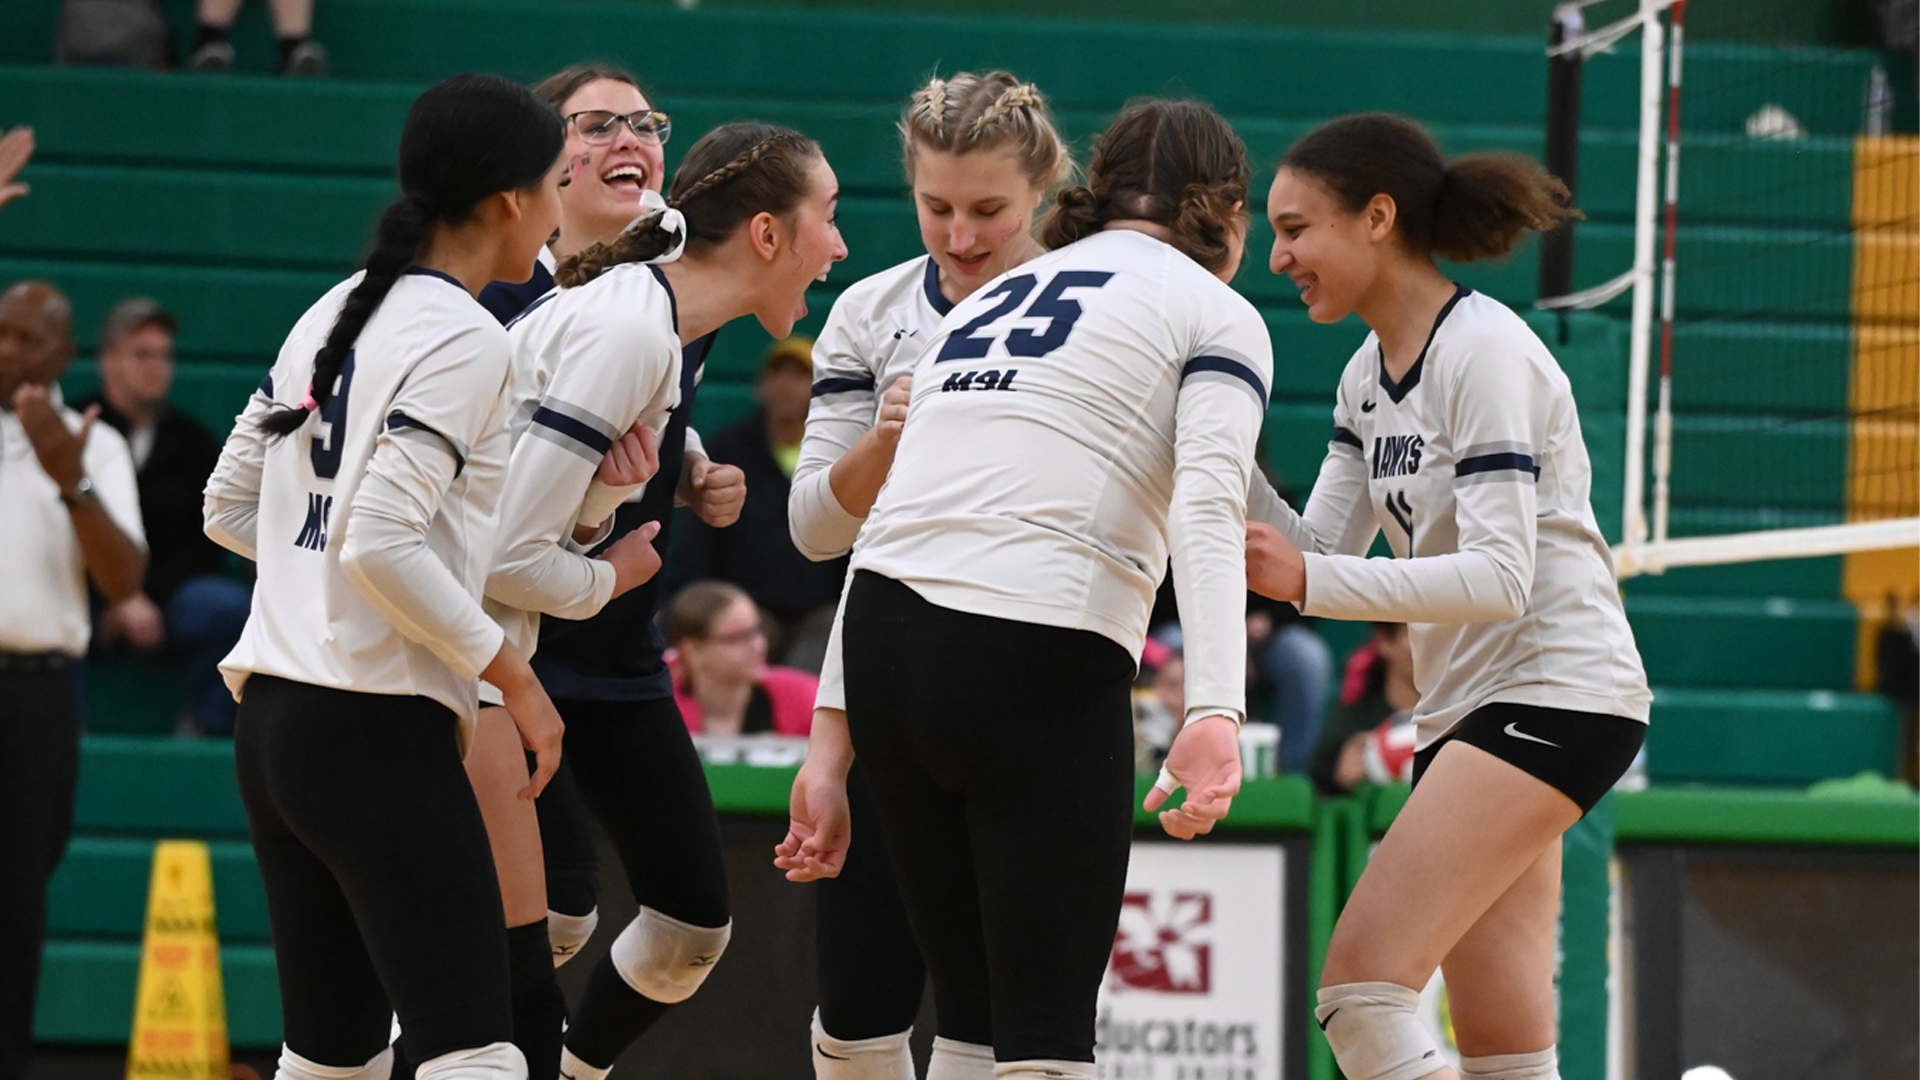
point(373, 524)
point(875, 333)
point(1473, 464)
point(587, 363)
point(1072, 421)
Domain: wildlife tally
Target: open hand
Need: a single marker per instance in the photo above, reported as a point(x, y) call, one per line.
point(818, 827)
point(1275, 568)
point(1204, 759)
point(16, 147)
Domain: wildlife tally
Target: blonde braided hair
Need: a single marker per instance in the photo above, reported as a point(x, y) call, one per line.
point(969, 111)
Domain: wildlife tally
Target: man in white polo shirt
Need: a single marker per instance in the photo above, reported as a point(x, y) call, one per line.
point(69, 510)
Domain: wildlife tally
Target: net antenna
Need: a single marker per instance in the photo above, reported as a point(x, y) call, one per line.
point(1882, 428)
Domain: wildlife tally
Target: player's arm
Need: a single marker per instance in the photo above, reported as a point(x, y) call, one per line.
point(1338, 520)
point(230, 503)
point(1496, 420)
point(536, 567)
point(840, 417)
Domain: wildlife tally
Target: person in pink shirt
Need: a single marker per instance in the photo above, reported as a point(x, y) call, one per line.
point(721, 678)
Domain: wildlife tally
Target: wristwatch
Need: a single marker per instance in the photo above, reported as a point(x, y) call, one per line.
point(82, 492)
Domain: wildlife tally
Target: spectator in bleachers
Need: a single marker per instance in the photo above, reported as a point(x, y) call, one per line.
point(721, 678)
point(292, 25)
point(1160, 706)
point(69, 510)
point(16, 147)
point(187, 606)
point(756, 553)
point(1378, 683)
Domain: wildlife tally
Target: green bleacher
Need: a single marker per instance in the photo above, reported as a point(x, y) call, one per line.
point(237, 200)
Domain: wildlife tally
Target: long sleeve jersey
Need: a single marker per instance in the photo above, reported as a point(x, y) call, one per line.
point(587, 363)
point(1473, 465)
point(373, 524)
point(1071, 423)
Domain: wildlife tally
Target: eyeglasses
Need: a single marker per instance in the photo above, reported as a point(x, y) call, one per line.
point(598, 127)
point(739, 637)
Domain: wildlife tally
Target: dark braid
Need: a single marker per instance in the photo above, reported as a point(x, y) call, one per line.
point(763, 170)
point(465, 139)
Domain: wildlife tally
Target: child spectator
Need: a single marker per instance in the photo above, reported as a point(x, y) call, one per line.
point(722, 680)
point(756, 553)
point(186, 605)
point(1159, 705)
point(292, 24)
point(1378, 684)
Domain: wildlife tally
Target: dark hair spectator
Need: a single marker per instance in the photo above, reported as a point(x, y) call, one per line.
point(756, 552)
point(187, 605)
point(292, 25)
point(722, 680)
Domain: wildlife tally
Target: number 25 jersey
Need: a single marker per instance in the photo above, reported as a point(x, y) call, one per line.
point(1071, 422)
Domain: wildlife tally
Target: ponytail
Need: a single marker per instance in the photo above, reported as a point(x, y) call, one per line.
point(1174, 163)
point(403, 229)
point(733, 172)
point(1478, 206)
point(465, 139)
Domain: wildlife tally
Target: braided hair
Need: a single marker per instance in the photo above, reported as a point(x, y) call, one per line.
point(733, 172)
point(465, 139)
point(1174, 163)
point(967, 112)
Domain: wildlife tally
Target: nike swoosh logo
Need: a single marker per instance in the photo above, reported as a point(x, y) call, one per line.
point(823, 1053)
point(1366, 406)
point(1323, 1024)
point(704, 961)
point(1513, 729)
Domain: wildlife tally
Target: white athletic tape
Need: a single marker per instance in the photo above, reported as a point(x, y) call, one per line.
point(1375, 1033)
point(956, 1060)
point(1049, 1070)
point(665, 959)
point(1539, 1065)
point(494, 1061)
point(294, 1067)
point(1165, 782)
point(569, 933)
point(884, 1057)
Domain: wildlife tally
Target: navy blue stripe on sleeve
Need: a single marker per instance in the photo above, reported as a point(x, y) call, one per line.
point(1347, 438)
point(841, 385)
point(1487, 463)
point(1227, 367)
point(573, 429)
point(399, 419)
point(266, 386)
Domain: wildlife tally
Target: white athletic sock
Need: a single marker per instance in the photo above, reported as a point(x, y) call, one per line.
point(884, 1057)
point(572, 1068)
point(494, 1061)
point(1044, 1070)
point(955, 1060)
point(1539, 1065)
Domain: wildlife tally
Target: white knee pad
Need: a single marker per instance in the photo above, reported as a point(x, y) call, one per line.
point(295, 1067)
point(1044, 1070)
point(665, 959)
point(494, 1061)
point(1539, 1065)
point(885, 1057)
point(1375, 1032)
point(569, 933)
point(956, 1060)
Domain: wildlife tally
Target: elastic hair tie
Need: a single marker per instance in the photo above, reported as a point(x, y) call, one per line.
point(307, 403)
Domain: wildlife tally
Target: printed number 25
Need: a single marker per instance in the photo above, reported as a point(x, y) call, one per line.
point(325, 453)
point(968, 343)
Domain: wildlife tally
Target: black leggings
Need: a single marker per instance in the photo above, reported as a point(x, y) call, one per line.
point(635, 767)
point(870, 973)
point(379, 878)
point(1001, 759)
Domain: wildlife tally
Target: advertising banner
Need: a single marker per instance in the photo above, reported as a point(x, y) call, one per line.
point(1195, 988)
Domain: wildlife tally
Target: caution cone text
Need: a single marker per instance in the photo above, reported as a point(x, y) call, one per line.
point(179, 1016)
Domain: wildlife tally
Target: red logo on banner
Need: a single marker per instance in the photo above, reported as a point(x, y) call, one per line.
point(1157, 946)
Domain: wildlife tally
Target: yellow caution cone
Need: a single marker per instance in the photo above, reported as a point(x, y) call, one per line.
point(179, 1015)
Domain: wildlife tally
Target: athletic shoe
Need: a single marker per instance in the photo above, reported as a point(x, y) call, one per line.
point(308, 59)
point(213, 56)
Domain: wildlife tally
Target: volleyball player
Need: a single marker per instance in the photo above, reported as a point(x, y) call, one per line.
point(749, 225)
point(1071, 424)
point(1455, 432)
point(981, 154)
point(363, 478)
